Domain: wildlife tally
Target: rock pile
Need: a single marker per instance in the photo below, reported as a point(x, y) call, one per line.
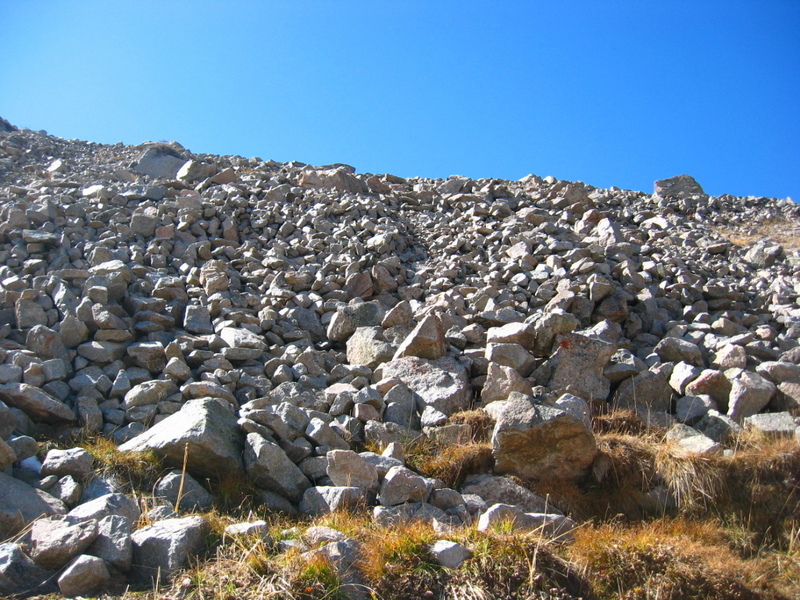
point(273, 320)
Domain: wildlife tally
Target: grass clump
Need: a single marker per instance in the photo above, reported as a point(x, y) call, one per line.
point(138, 471)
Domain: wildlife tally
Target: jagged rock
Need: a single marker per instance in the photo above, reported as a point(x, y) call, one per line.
point(84, 575)
point(183, 491)
point(749, 394)
point(57, 540)
point(113, 542)
point(18, 573)
point(502, 490)
point(672, 349)
point(425, 341)
point(536, 441)
point(367, 346)
point(269, 468)
point(648, 390)
point(578, 364)
point(349, 318)
point(166, 546)
point(322, 500)
point(35, 403)
point(680, 186)
point(21, 504)
point(205, 430)
point(76, 462)
point(402, 485)
point(501, 381)
point(106, 505)
point(689, 442)
point(346, 468)
point(441, 384)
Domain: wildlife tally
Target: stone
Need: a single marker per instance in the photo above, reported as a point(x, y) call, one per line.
point(322, 434)
point(18, 573)
point(425, 341)
point(690, 442)
point(680, 186)
point(547, 525)
point(712, 383)
point(442, 384)
point(323, 500)
point(112, 504)
point(649, 390)
point(348, 469)
point(690, 409)
point(501, 381)
point(83, 576)
point(37, 404)
point(205, 430)
point(257, 528)
point(730, 356)
point(449, 554)
point(20, 504)
point(672, 349)
point(503, 490)
point(183, 491)
point(750, 393)
point(523, 334)
point(148, 392)
point(7, 456)
point(367, 346)
point(782, 424)
point(682, 375)
point(45, 343)
point(76, 462)
point(102, 352)
point(159, 162)
point(57, 540)
point(269, 468)
point(349, 318)
point(402, 485)
point(536, 441)
point(578, 364)
point(113, 543)
point(166, 546)
point(197, 319)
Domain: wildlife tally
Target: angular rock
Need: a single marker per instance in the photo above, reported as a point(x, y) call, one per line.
point(166, 546)
point(21, 504)
point(83, 576)
point(183, 491)
point(346, 468)
point(38, 405)
point(578, 364)
point(76, 462)
point(442, 384)
point(57, 540)
point(750, 393)
point(323, 500)
point(209, 433)
point(425, 341)
point(18, 573)
point(269, 468)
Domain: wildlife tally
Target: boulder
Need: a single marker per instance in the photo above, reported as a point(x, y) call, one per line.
point(20, 504)
point(578, 363)
point(54, 541)
point(83, 576)
point(441, 384)
point(269, 468)
point(205, 430)
point(536, 441)
point(37, 404)
point(18, 573)
point(166, 546)
point(426, 340)
point(323, 500)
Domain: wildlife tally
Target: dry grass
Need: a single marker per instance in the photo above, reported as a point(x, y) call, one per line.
point(137, 471)
point(784, 232)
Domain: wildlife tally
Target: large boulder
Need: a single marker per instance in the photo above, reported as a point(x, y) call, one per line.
point(205, 430)
point(37, 404)
point(166, 546)
point(578, 364)
point(536, 441)
point(442, 384)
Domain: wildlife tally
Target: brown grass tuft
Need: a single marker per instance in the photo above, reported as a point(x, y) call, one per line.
point(452, 464)
point(480, 423)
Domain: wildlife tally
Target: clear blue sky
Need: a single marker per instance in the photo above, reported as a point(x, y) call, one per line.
point(610, 93)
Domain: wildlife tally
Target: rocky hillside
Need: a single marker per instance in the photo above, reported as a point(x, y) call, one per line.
point(442, 354)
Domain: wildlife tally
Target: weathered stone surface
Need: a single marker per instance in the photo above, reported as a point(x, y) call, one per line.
point(425, 341)
point(449, 554)
point(346, 468)
point(206, 430)
point(21, 504)
point(183, 491)
point(83, 576)
point(676, 350)
point(106, 505)
point(269, 468)
point(113, 543)
point(367, 346)
point(18, 573)
point(778, 424)
point(502, 490)
point(441, 384)
point(501, 381)
point(166, 546)
point(548, 525)
point(76, 462)
point(536, 441)
point(749, 394)
point(403, 485)
point(578, 364)
point(57, 540)
point(323, 500)
point(648, 390)
point(35, 403)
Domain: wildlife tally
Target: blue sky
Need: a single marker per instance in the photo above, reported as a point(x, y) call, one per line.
point(609, 93)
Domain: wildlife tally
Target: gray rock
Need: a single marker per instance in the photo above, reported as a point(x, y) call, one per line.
point(7, 456)
point(54, 541)
point(501, 381)
point(76, 462)
point(367, 346)
point(159, 162)
point(18, 573)
point(403, 485)
point(502, 490)
point(113, 542)
point(672, 349)
point(323, 500)
point(649, 390)
point(321, 433)
point(535, 441)
point(269, 468)
point(750, 393)
point(449, 554)
point(425, 341)
point(680, 186)
point(83, 576)
point(442, 384)
point(183, 491)
point(7, 421)
point(777, 424)
point(166, 546)
point(547, 525)
point(38, 405)
point(349, 318)
point(690, 409)
point(107, 505)
point(20, 504)
point(578, 364)
point(206, 429)
point(346, 468)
